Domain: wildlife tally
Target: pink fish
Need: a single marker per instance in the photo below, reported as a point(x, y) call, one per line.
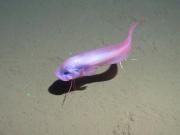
point(85, 64)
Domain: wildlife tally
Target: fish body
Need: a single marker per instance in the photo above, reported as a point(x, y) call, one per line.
point(85, 64)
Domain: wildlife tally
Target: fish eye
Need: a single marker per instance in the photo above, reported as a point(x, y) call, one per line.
point(66, 73)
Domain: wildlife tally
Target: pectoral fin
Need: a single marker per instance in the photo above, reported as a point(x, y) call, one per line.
point(89, 72)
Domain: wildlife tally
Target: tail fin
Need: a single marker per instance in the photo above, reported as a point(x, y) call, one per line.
point(134, 25)
point(132, 28)
point(128, 39)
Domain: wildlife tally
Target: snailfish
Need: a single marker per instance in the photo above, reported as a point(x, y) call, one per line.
point(86, 63)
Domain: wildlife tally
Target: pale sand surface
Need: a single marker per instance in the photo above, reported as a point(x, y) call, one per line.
point(35, 37)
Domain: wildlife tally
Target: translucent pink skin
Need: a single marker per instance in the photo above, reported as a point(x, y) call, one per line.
point(85, 64)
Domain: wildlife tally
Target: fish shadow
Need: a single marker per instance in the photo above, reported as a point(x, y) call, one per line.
point(60, 87)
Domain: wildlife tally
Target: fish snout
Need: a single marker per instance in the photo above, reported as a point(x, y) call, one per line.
point(67, 75)
point(62, 76)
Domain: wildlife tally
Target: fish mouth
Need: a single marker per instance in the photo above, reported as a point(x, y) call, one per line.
point(63, 78)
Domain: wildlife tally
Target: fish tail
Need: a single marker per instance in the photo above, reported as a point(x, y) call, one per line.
point(128, 40)
point(132, 28)
point(134, 25)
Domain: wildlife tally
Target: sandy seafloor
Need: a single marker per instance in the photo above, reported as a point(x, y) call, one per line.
point(37, 35)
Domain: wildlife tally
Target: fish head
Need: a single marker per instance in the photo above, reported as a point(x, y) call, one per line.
point(74, 68)
point(67, 73)
point(70, 72)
